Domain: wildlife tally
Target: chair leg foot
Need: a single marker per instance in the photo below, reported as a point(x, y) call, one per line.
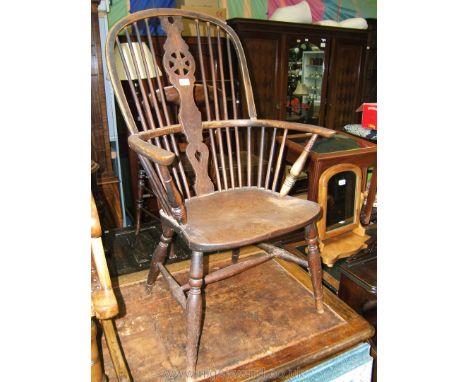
point(194, 313)
point(159, 255)
point(315, 265)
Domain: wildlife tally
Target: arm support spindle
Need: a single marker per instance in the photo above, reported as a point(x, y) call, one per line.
point(297, 167)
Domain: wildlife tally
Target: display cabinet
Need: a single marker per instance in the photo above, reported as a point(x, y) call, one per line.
point(309, 73)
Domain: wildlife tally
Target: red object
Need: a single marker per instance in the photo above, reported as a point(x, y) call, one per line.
point(369, 115)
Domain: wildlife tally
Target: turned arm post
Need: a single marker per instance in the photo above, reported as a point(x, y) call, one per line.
point(163, 159)
point(173, 195)
point(297, 167)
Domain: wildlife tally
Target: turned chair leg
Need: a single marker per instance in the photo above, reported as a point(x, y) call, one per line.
point(139, 200)
point(315, 265)
point(194, 312)
point(159, 255)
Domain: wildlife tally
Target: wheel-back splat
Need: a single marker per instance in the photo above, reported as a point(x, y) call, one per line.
point(180, 68)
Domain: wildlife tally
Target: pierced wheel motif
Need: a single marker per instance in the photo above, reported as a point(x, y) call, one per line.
point(179, 63)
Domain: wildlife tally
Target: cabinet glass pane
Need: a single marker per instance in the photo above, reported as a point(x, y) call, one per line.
point(305, 73)
point(341, 196)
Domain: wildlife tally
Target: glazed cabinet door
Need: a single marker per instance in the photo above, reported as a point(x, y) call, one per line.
point(344, 82)
point(306, 64)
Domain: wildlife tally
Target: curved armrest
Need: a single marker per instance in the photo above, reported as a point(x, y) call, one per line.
point(319, 130)
point(177, 128)
point(152, 152)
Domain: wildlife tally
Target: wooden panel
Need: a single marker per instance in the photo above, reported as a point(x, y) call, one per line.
point(262, 53)
point(369, 92)
point(345, 83)
point(252, 330)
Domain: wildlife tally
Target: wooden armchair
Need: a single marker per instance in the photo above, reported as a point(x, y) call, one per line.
point(239, 204)
point(103, 307)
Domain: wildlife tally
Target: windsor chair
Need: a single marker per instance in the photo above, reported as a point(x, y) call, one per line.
point(228, 201)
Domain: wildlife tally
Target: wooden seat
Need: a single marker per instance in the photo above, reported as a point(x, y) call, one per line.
point(236, 203)
point(234, 218)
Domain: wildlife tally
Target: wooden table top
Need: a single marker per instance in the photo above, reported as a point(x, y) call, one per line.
point(296, 143)
point(260, 325)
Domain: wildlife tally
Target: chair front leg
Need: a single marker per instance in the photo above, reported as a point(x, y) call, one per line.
point(159, 255)
point(315, 265)
point(194, 312)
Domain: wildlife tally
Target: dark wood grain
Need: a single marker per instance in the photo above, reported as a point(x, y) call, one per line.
point(345, 82)
point(249, 215)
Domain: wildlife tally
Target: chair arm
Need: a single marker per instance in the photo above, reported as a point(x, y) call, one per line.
point(164, 158)
point(152, 152)
point(319, 130)
point(206, 125)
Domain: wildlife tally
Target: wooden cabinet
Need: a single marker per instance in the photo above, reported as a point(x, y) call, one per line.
point(346, 55)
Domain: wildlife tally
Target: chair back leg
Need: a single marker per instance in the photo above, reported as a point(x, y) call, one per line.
point(194, 312)
point(139, 200)
point(159, 255)
point(315, 265)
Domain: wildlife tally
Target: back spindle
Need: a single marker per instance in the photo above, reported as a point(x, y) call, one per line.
point(260, 157)
point(225, 110)
point(144, 92)
point(234, 111)
point(270, 158)
point(216, 104)
point(207, 105)
point(279, 160)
